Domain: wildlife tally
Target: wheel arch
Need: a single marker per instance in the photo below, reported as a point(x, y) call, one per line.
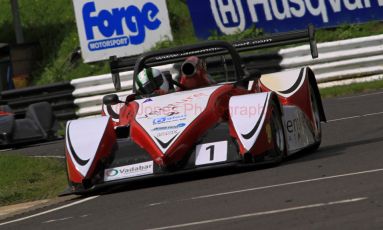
point(314, 85)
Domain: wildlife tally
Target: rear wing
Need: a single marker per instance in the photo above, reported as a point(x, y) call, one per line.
point(281, 40)
point(208, 49)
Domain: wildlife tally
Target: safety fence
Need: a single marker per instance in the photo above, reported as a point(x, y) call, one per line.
point(339, 60)
point(59, 95)
point(343, 60)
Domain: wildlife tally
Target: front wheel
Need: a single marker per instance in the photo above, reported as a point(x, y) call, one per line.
point(277, 135)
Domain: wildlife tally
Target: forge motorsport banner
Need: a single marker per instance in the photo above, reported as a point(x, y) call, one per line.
point(120, 27)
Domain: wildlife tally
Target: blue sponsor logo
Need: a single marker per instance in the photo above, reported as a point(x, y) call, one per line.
point(148, 100)
point(111, 172)
point(180, 125)
point(162, 120)
point(112, 25)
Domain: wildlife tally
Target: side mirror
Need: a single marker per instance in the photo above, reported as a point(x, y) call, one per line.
point(111, 99)
point(130, 97)
point(115, 75)
point(116, 81)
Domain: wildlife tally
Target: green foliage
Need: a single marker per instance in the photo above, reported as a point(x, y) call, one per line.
point(52, 23)
point(348, 31)
point(351, 89)
point(26, 178)
point(247, 34)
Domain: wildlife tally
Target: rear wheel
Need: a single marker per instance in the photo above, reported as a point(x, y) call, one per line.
point(317, 120)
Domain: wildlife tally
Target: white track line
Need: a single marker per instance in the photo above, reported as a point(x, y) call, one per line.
point(5, 150)
point(57, 220)
point(289, 183)
point(254, 214)
point(269, 186)
point(354, 117)
point(51, 210)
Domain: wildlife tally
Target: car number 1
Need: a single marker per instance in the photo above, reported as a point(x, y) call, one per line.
point(211, 153)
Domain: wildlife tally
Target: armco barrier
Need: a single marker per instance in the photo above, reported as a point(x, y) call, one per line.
point(339, 60)
point(59, 95)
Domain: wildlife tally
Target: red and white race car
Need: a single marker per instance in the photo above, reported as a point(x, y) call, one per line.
point(245, 118)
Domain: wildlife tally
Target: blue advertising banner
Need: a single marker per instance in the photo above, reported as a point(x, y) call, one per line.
point(230, 16)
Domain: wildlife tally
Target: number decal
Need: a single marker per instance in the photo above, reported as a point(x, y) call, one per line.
point(211, 153)
point(211, 147)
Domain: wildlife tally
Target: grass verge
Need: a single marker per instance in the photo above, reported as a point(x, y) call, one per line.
point(351, 89)
point(25, 178)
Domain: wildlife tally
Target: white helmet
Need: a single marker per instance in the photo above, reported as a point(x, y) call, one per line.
point(149, 80)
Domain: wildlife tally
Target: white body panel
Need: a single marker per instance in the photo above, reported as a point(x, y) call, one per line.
point(165, 117)
point(210, 153)
point(285, 83)
point(248, 113)
point(83, 138)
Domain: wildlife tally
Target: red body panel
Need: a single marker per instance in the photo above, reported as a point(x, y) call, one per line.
point(2, 113)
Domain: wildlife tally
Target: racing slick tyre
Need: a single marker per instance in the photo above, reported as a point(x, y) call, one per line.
point(278, 135)
point(317, 120)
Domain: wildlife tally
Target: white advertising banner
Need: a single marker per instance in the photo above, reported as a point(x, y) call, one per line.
point(120, 27)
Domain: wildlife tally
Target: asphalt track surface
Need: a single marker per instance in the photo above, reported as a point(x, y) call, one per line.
point(338, 187)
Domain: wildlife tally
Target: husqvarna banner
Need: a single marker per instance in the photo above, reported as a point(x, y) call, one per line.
point(230, 16)
point(120, 27)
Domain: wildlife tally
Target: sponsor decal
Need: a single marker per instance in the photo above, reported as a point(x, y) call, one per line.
point(232, 16)
point(112, 22)
point(111, 172)
point(134, 170)
point(168, 116)
point(180, 125)
point(167, 133)
point(147, 100)
point(120, 27)
point(175, 108)
point(294, 128)
point(293, 125)
point(162, 120)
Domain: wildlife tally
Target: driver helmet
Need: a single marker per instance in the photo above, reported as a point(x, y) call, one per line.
point(151, 80)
